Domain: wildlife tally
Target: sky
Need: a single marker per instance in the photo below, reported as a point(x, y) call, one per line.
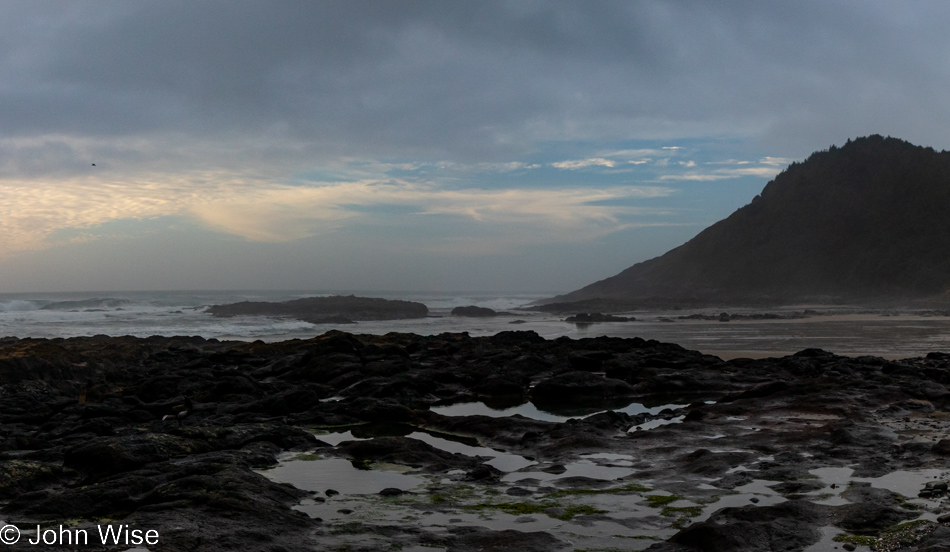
point(423, 146)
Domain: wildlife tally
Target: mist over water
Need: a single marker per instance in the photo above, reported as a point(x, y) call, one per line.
point(852, 332)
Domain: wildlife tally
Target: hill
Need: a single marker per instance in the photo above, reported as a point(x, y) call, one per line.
point(869, 220)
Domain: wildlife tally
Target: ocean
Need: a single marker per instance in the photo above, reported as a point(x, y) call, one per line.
point(168, 313)
point(844, 330)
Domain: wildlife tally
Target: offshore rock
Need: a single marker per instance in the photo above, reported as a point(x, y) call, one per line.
point(337, 308)
point(590, 318)
point(473, 311)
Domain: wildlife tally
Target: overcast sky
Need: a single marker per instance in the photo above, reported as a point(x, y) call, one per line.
point(401, 145)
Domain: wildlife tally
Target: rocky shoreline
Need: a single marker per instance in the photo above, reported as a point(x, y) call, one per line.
point(769, 454)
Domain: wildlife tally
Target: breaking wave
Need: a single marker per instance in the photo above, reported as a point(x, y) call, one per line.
point(20, 305)
point(96, 303)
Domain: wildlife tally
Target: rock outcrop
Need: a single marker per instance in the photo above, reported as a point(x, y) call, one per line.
point(592, 317)
point(474, 312)
point(336, 309)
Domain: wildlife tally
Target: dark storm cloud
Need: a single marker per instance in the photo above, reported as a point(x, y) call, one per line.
point(480, 79)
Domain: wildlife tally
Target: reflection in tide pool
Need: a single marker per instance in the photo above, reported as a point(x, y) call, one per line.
point(741, 496)
point(581, 468)
point(530, 410)
point(827, 540)
point(499, 460)
point(904, 482)
point(907, 483)
point(340, 475)
point(653, 424)
point(337, 438)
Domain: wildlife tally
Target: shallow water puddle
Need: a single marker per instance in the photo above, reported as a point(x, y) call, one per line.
point(621, 516)
point(625, 519)
point(743, 495)
point(653, 424)
point(836, 476)
point(500, 460)
point(906, 483)
point(827, 542)
point(903, 482)
point(340, 475)
point(626, 515)
point(594, 534)
point(612, 459)
point(337, 438)
point(608, 456)
point(529, 410)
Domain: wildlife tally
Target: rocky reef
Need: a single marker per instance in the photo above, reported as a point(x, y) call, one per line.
point(336, 309)
point(508, 442)
point(474, 312)
point(471, 311)
point(592, 317)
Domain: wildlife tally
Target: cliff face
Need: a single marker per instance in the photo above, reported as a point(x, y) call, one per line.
point(868, 220)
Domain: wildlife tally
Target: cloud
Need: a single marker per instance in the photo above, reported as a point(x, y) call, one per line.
point(34, 210)
point(472, 82)
point(288, 213)
point(641, 153)
point(613, 158)
point(729, 162)
point(260, 210)
point(583, 163)
point(723, 174)
point(776, 161)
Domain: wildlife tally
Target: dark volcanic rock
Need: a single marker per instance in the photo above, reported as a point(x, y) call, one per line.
point(798, 487)
point(406, 451)
point(791, 525)
point(590, 361)
point(871, 510)
point(708, 463)
point(473, 311)
point(501, 387)
point(82, 437)
point(580, 386)
point(327, 309)
point(477, 539)
point(866, 220)
point(118, 454)
point(329, 319)
point(942, 447)
point(588, 318)
point(20, 476)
